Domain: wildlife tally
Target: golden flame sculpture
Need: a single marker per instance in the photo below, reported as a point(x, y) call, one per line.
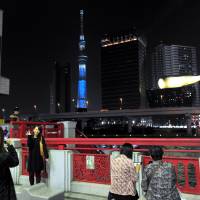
point(179, 81)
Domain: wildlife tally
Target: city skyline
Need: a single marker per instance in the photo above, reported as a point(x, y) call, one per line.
point(36, 32)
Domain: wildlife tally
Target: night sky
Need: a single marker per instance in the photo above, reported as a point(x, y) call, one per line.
point(38, 32)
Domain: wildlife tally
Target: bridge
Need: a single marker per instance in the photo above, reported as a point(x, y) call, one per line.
point(79, 168)
point(122, 113)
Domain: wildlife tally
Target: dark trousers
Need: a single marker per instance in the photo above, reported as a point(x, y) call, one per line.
point(112, 196)
point(31, 177)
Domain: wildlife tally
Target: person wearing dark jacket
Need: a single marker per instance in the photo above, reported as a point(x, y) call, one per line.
point(8, 158)
point(37, 154)
point(159, 178)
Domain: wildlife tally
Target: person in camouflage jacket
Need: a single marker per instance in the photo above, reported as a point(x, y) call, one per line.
point(159, 178)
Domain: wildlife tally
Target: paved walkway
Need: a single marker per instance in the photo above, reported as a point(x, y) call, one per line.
point(79, 196)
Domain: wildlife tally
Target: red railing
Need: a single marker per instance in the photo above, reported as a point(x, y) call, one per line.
point(82, 148)
point(50, 130)
point(101, 172)
point(188, 142)
point(24, 161)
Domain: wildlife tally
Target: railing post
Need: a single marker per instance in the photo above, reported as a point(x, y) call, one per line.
point(22, 130)
point(60, 175)
point(45, 131)
point(11, 129)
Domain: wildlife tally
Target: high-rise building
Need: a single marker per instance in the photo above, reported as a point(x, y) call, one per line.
point(60, 89)
point(122, 71)
point(4, 82)
point(82, 102)
point(175, 60)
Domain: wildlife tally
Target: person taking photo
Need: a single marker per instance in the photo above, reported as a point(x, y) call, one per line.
point(8, 159)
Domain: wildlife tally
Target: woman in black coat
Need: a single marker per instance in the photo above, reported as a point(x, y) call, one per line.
point(8, 158)
point(37, 154)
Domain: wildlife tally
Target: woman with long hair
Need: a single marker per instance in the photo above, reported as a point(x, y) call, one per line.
point(37, 154)
point(8, 159)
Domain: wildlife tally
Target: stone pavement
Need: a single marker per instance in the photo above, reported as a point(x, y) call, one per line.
point(81, 196)
point(38, 192)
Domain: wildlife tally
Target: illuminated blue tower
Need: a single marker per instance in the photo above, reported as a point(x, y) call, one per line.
point(82, 84)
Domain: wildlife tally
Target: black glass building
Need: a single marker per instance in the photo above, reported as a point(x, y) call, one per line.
point(60, 91)
point(122, 71)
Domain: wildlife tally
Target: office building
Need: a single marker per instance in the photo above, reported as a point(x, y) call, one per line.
point(172, 61)
point(122, 71)
point(4, 82)
point(60, 88)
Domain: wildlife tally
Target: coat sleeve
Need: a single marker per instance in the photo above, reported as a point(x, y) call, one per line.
point(30, 141)
point(144, 183)
point(133, 173)
point(12, 160)
point(174, 179)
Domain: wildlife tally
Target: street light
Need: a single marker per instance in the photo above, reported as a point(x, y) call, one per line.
point(74, 104)
point(3, 112)
point(35, 107)
point(59, 106)
point(121, 101)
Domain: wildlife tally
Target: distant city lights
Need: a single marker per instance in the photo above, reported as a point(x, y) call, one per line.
point(106, 42)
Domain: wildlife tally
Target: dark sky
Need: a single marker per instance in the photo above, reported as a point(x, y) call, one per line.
point(36, 32)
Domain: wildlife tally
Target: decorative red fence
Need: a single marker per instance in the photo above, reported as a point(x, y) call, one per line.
point(96, 172)
point(50, 130)
point(187, 171)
